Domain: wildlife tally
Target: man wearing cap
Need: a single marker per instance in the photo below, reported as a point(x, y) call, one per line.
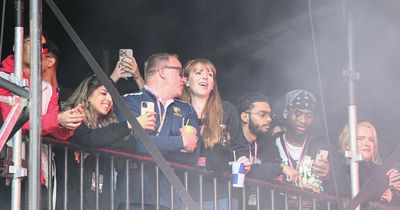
point(301, 149)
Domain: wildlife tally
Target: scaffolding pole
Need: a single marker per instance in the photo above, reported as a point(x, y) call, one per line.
point(352, 76)
point(17, 170)
point(35, 105)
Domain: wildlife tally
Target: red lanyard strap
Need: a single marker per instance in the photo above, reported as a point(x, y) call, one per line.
point(252, 159)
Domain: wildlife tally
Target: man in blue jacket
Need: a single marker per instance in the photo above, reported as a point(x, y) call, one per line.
point(164, 83)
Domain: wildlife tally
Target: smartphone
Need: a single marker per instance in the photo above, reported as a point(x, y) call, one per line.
point(124, 53)
point(322, 155)
point(146, 106)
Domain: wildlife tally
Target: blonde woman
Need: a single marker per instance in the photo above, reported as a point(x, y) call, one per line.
point(368, 148)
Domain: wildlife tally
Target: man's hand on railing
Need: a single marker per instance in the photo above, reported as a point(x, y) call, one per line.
point(72, 118)
point(189, 140)
point(292, 174)
point(246, 162)
point(148, 121)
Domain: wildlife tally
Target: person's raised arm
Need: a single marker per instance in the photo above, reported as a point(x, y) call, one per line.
point(129, 65)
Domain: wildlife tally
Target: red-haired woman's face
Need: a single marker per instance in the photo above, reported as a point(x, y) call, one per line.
point(201, 82)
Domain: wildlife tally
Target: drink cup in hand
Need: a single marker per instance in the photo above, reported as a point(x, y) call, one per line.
point(188, 129)
point(238, 174)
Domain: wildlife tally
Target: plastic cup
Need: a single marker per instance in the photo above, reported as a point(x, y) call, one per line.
point(238, 174)
point(189, 129)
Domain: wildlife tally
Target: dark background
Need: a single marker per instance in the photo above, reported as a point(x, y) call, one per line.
point(256, 46)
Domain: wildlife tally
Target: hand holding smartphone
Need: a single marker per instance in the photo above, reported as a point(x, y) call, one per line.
point(147, 118)
point(123, 54)
point(322, 156)
point(146, 106)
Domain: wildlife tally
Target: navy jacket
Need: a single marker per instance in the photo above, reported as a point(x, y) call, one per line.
point(168, 141)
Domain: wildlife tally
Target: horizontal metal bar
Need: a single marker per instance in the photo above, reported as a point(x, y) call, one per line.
point(194, 170)
point(13, 88)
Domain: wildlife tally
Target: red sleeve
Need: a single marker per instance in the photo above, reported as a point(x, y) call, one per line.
point(50, 120)
point(5, 108)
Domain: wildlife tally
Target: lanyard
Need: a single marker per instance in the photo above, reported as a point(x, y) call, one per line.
point(164, 113)
point(253, 159)
point(161, 114)
point(289, 157)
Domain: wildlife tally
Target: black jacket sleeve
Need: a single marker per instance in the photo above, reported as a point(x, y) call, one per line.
point(231, 119)
point(100, 137)
point(270, 166)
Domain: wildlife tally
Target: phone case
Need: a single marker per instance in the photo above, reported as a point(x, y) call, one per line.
point(123, 53)
point(146, 106)
point(322, 154)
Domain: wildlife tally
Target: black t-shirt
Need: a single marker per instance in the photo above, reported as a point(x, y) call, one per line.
point(63, 94)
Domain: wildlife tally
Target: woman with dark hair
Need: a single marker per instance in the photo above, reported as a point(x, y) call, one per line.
point(220, 128)
point(99, 129)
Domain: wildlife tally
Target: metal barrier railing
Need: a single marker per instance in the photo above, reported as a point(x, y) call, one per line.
point(268, 195)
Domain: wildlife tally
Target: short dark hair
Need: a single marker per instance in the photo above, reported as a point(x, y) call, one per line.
point(245, 102)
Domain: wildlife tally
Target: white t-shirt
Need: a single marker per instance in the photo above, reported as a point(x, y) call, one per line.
point(294, 151)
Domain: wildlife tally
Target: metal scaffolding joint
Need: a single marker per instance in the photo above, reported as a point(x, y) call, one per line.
point(18, 171)
point(351, 74)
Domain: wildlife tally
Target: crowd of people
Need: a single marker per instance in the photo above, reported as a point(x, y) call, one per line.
point(283, 148)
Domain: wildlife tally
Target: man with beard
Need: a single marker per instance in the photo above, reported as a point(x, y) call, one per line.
point(296, 153)
point(256, 116)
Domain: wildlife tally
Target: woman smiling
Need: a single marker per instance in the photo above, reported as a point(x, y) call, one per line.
point(100, 129)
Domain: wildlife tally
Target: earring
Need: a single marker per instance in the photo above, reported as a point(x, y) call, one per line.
point(187, 84)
